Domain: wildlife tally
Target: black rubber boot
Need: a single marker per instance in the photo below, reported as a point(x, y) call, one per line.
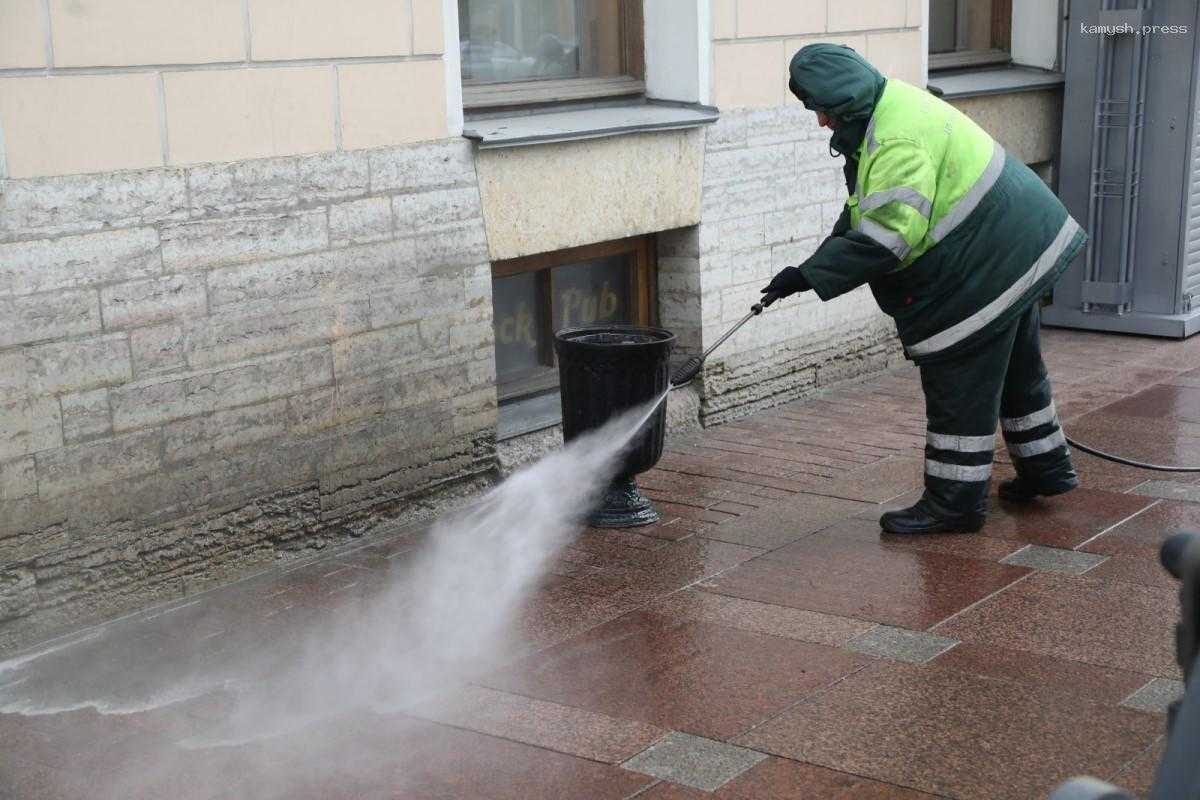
point(1020, 490)
point(925, 518)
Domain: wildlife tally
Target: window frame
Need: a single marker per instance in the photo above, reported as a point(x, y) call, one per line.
point(642, 286)
point(963, 57)
point(486, 97)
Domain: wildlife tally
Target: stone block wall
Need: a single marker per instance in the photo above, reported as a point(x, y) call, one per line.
point(203, 367)
point(1028, 124)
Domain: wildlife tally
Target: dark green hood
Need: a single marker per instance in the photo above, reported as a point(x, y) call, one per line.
point(835, 79)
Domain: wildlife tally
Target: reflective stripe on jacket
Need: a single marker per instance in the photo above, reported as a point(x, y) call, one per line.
point(978, 236)
point(923, 167)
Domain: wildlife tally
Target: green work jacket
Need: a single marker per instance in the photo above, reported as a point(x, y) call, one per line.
point(975, 236)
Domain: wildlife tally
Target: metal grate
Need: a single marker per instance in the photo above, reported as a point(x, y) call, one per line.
point(1115, 166)
point(1191, 223)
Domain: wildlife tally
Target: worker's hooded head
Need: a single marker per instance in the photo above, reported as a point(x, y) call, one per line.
point(838, 81)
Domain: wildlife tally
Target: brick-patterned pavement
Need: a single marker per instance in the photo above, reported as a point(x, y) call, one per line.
point(763, 641)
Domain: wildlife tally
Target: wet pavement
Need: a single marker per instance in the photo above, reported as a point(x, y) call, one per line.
point(764, 640)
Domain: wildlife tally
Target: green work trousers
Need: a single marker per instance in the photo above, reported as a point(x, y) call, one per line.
point(1002, 380)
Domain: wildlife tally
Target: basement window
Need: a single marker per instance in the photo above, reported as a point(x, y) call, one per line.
point(523, 52)
point(535, 296)
point(969, 33)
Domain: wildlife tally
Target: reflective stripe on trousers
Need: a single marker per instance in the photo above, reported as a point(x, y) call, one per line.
point(963, 444)
point(1045, 444)
point(1040, 417)
point(961, 448)
point(1050, 439)
point(958, 472)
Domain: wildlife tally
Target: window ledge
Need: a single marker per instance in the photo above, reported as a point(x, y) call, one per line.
point(528, 415)
point(1004, 80)
point(587, 123)
point(960, 59)
point(534, 93)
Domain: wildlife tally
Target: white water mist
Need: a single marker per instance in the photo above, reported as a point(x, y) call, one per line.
point(443, 618)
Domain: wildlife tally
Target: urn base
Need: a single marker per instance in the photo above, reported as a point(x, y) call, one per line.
point(623, 506)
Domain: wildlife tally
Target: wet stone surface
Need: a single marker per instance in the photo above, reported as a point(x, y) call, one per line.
point(1156, 696)
point(1054, 559)
point(762, 640)
point(693, 761)
point(1169, 490)
point(915, 647)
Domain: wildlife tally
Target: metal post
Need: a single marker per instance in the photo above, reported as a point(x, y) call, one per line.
point(1143, 69)
point(1128, 183)
point(1103, 171)
point(1092, 251)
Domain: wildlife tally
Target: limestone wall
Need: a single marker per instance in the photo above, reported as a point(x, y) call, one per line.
point(202, 367)
point(1027, 124)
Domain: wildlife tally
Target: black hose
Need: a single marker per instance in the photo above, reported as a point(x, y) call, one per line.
point(1129, 462)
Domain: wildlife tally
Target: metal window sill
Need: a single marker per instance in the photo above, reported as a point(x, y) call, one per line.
point(528, 415)
point(595, 122)
point(961, 59)
point(1002, 80)
point(539, 93)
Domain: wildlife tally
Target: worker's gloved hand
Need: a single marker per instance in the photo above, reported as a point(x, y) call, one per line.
point(788, 281)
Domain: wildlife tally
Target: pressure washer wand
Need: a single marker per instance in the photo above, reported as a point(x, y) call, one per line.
point(691, 368)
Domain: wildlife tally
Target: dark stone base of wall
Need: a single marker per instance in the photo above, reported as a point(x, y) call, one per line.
point(767, 377)
point(81, 574)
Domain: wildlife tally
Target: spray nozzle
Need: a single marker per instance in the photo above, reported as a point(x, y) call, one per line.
point(689, 370)
point(767, 299)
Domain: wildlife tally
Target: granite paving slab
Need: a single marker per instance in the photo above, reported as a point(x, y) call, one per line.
point(1156, 696)
point(866, 580)
point(1104, 685)
point(953, 734)
point(1137, 777)
point(694, 761)
point(790, 623)
point(898, 644)
point(784, 521)
point(536, 722)
point(1103, 623)
point(1054, 559)
point(708, 680)
point(782, 779)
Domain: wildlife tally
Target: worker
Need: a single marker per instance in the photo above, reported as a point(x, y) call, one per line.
point(959, 241)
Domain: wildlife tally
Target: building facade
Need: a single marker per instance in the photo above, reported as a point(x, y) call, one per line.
point(275, 271)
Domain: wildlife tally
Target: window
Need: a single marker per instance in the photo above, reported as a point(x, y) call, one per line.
point(517, 52)
point(965, 33)
point(535, 296)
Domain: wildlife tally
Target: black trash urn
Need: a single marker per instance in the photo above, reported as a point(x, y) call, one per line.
point(604, 370)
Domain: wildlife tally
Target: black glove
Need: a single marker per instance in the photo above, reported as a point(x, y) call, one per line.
point(789, 281)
